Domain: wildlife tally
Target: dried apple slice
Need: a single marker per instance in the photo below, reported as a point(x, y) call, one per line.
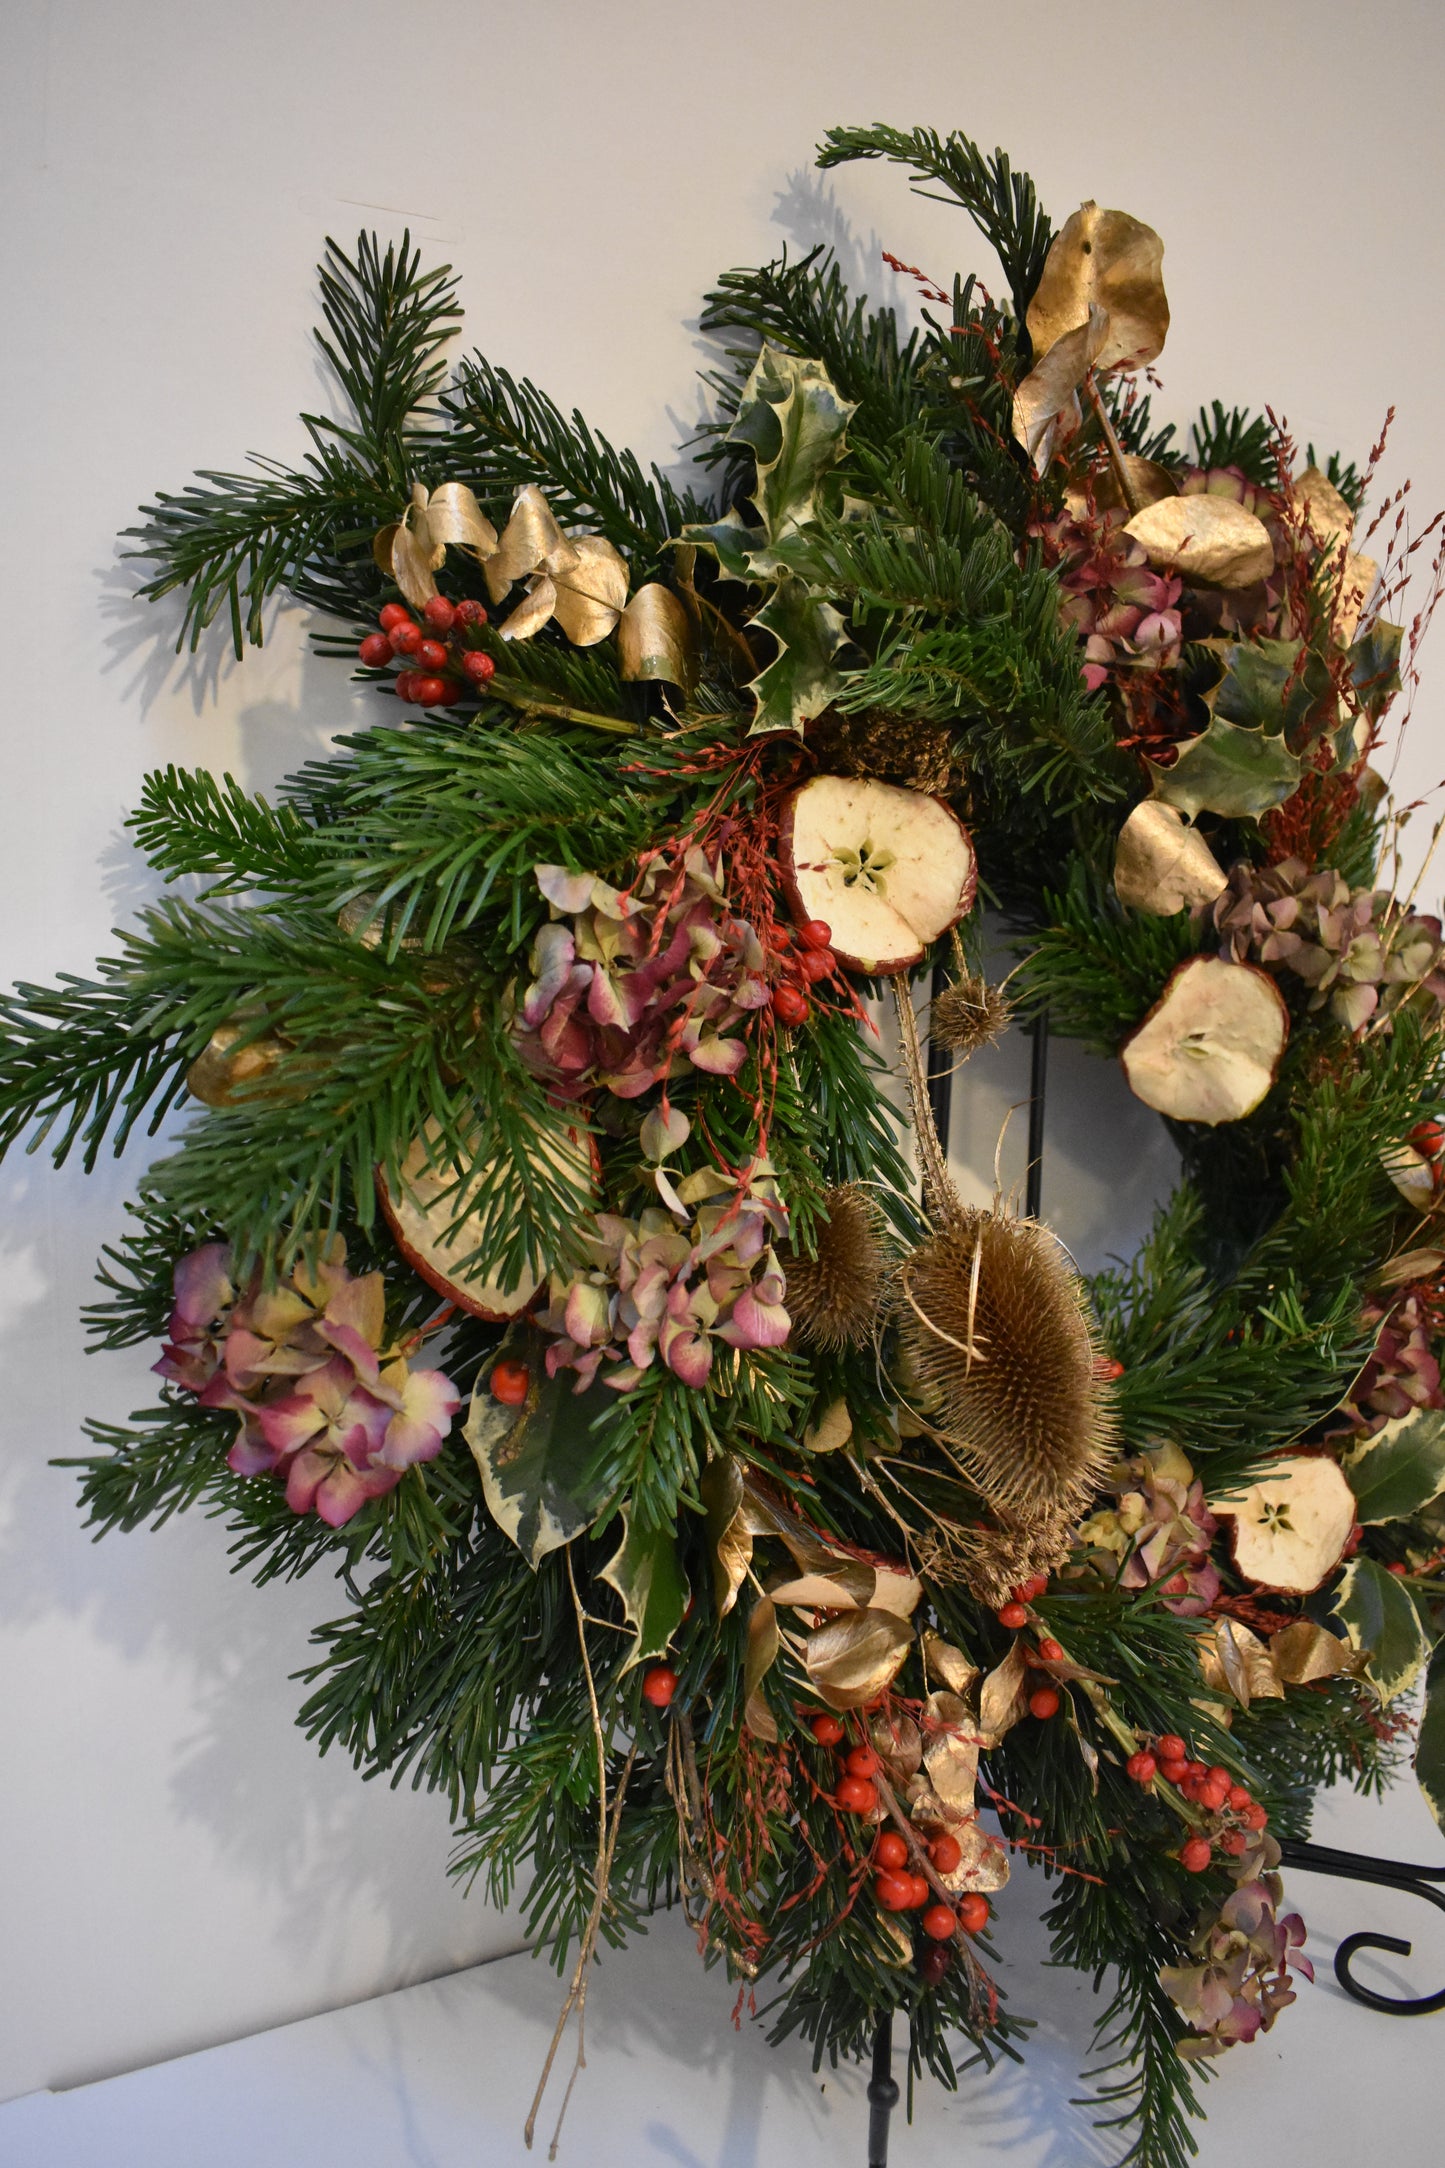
point(1210, 1047)
point(887, 869)
point(1291, 1527)
point(420, 1213)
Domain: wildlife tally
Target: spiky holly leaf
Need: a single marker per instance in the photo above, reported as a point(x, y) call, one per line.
point(1271, 685)
point(1379, 1615)
point(1375, 666)
point(1237, 773)
point(538, 1462)
point(802, 681)
point(1401, 1468)
point(1430, 1747)
point(796, 421)
point(648, 1576)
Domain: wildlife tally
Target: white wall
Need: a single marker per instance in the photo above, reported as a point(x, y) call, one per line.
point(177, 1866)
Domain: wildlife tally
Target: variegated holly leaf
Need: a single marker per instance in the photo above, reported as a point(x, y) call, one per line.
point(1375, 666)
point(795, 419)
point(1379, 1615)
point(1267, 686)
point(1231, 771)
point(801, 681)
point(538, 1463)
point(1401, 1468)
point(647, 1574)
point(1430, 1747)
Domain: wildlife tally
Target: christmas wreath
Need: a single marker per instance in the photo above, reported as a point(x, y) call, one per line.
point(727, 1514)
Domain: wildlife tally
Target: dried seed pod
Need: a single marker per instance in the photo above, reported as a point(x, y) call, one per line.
point(833, 1297)
point(994, 1321)
point(969, 1015)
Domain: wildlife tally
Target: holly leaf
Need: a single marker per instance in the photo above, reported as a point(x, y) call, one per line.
point(1379, 1615)
point(647, 1575)
point(1375, 666)
point(1401, 1468)
point(731, 541)
point(1430, 1747)
point(537, 1462)
point(795, 420)
point(1235, 772)
point(801, 682)
point(1266, 687)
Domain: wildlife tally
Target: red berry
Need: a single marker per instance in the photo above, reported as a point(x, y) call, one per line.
point(1235, 1842)
point(431, 656)
point(790, 1004)
point(1212, 1794)
point(919, 1891)
point(375, 650)
point(1172, 1747)
point(934, 1963)
point(860, 1761)
point(826, 1730)
point(510, 1382)
point(1107, 1368)
point(401, 685)
point(433, 692)
point(891, 1850)
point(405, 637)
point(939, 1922)
point(1044, 1702)
point(855, 1795)
point(973, 1913)
point(659, 1685)
point(1428, 1139)
point(1038, 1585)
point(817, 963)
point(1400, 1571)
point(1218, 1774)
point(894, 1892)
point(1255, 1817)
point(1142, 1768)
point(468, 612)
point(1197, 1770)
point(477, 666)
point(1012, 1615)
point(945, 1852)
point(1050, 1651)
point(817, 934)
point(1195, 1855)
point(439, 613)
point(1174, 1772)
point(393, 613)
point(1238, 1797)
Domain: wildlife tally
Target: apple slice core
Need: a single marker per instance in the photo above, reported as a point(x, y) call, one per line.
point(1291, 1527)
point(888, 870)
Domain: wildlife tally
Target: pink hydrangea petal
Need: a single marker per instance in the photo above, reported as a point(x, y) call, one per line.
point(202, 1284)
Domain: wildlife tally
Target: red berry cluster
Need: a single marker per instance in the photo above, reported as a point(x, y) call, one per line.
point(804, 957)
point(897, 1884)
point(439, 649)
point(1044, 1701)
point(1236, 1816)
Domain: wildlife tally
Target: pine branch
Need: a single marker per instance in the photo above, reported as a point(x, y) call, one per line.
point(191, 822)
point(388, 322)
point(504, 433)
point(1002, 204)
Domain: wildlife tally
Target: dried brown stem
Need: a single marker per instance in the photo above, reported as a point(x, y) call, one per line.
point(1116, 450)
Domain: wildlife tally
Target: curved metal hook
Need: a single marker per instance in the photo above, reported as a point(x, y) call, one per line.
point(1389, 1874)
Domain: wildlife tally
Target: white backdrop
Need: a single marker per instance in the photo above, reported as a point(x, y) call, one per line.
point(178, 1867)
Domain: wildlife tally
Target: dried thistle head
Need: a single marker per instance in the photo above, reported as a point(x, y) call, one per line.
point(969, 1014)
point(992, 1562)
point(833, 1296)
point(995, 1327)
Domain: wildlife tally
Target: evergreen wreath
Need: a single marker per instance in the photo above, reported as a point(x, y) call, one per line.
point(795, 1515)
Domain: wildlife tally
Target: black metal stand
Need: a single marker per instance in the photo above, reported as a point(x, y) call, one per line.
point(1390, 1874)
point(882, 2094)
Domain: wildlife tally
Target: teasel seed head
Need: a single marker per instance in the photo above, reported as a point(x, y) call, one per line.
point(833, 1296)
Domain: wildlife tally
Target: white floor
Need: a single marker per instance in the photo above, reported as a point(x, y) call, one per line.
point(439, 2076)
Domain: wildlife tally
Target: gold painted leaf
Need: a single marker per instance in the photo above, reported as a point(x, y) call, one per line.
point(763, 1645)
point(455, 520)
point(411, 567)
point(898, 1743)
point(853, 1659)
point(655, 638)
point(951, 1755)
point(225, 1074)
point(591, 591)
point(1162, 864)
point(1305, 1652)
point(532, 612)
point(950, 1664)
point(1108, 260)
point(1209, 541)
point(730, 1539)
point(1145, 481)
point(1003, 1697)
point(1045, 406)
point(531, 540)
